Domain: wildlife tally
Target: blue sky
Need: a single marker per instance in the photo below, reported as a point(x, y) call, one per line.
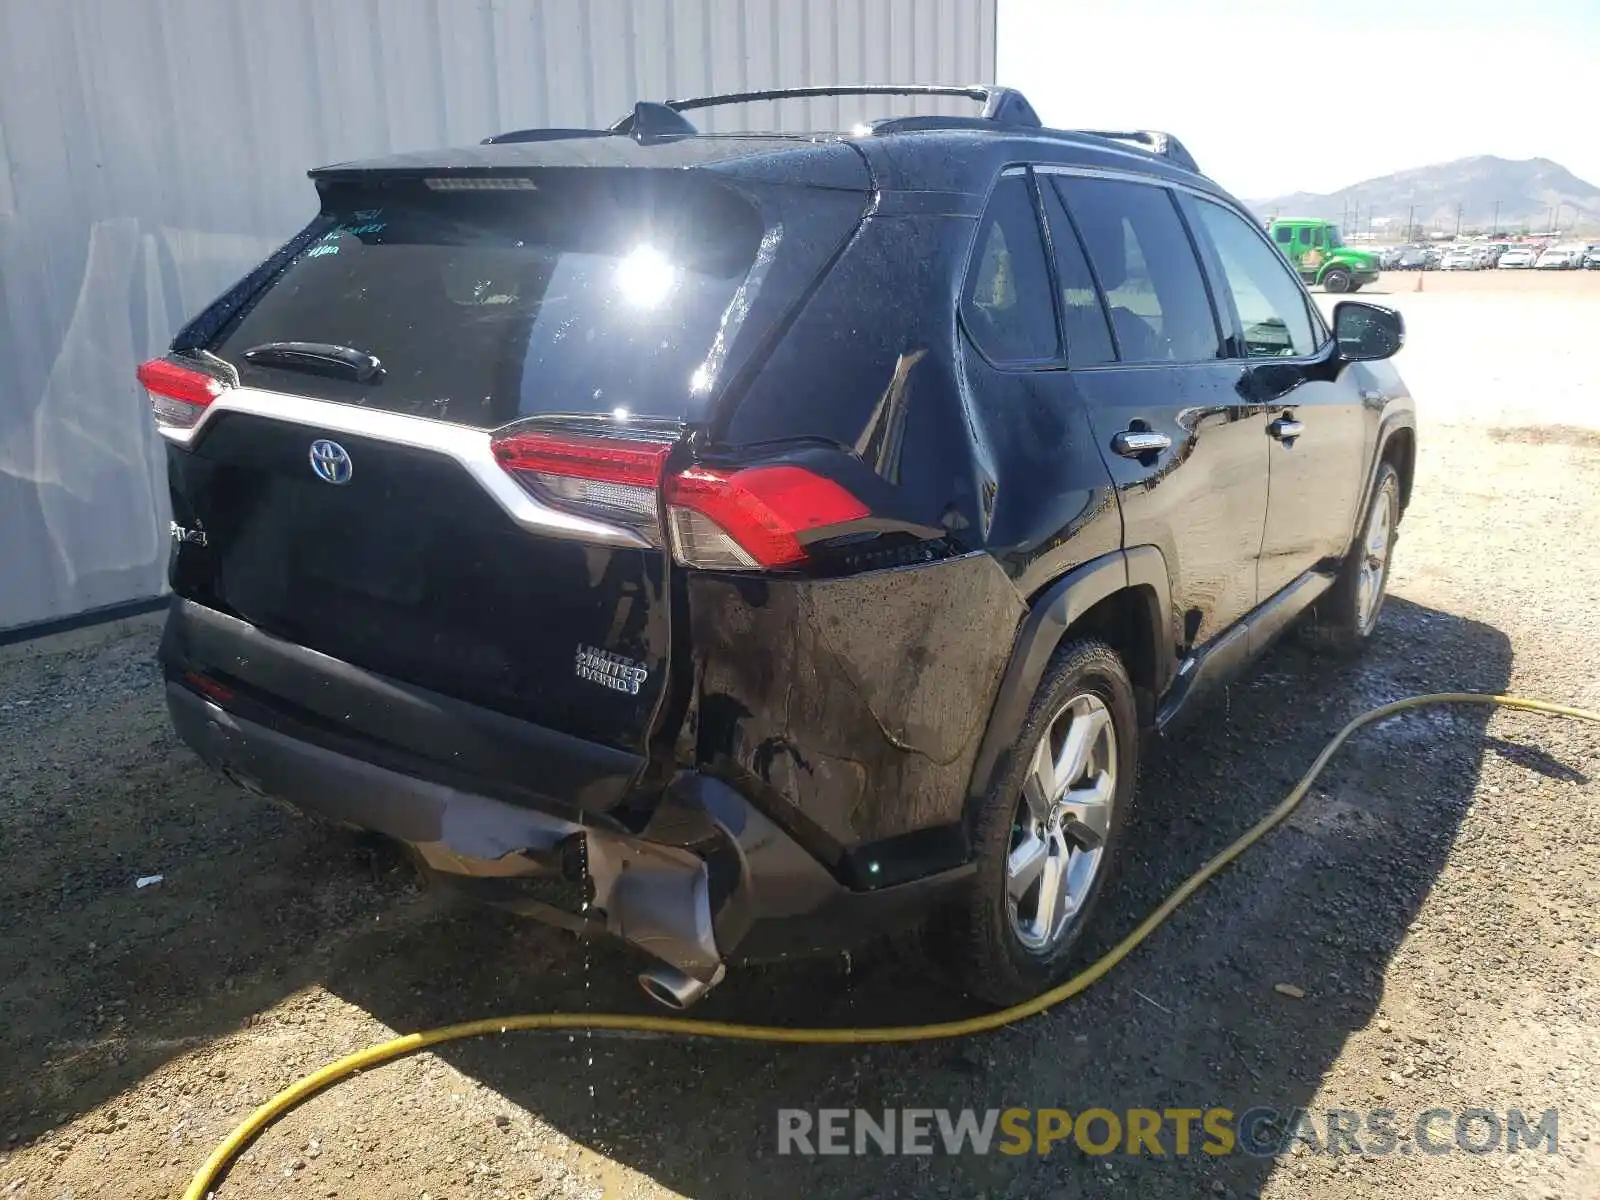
point(1281, 96)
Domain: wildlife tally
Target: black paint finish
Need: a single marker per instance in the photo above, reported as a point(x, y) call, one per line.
point(855, 704)
point(412, 571)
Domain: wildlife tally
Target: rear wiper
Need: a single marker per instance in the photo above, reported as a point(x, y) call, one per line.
point(317, 356)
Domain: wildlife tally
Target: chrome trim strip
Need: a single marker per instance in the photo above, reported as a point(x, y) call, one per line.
point(469, 447)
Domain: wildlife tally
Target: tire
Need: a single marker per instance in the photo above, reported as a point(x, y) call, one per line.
point(1344, 617)
point(1336, 279)
point(1001, 946)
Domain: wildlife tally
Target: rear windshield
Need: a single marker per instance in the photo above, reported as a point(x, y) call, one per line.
point(570, 292)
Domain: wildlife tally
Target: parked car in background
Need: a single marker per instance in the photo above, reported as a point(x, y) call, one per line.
point(1591, 259)
point(1560, 258)
point(1518, 258)
point(1459, 258)
point(539, 507)
point(1412, 258)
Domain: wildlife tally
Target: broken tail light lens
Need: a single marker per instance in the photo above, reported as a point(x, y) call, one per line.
point(178, 394)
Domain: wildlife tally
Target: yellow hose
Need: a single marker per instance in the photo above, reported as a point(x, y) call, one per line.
point(200, 1187)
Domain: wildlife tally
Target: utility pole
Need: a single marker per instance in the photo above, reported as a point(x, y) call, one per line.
point(1411, 221)
point(1458, 220)
point(1495, 231)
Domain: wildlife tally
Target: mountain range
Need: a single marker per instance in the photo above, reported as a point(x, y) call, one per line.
point(1527, 192)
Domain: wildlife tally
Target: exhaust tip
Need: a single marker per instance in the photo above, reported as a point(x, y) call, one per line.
point(675, 989)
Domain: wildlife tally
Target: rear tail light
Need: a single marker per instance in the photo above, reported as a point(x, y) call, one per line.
point(603, 477)
point(738, 520)
point(178, 394)
point(748, 519)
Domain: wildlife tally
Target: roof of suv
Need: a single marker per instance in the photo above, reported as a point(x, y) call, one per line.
point(950, 154)
point(804, 156)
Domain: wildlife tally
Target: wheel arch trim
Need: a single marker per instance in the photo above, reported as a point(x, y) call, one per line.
point(1396, 423)
point(1051, 614)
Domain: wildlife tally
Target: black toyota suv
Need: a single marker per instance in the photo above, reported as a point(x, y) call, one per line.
point(742, 544)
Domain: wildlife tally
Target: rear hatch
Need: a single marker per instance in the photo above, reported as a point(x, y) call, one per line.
point(384, 468)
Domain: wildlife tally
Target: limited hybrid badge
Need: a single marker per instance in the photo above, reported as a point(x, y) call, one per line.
point(330, 461)
point(610, 670)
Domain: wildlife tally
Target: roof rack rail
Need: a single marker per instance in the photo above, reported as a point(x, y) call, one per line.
point(541, 135)
point(1163, 145)
point(1007, 106)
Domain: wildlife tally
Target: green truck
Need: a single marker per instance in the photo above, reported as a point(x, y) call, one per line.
point(1315, 249)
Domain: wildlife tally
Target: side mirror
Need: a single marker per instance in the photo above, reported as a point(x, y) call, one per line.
point(1367, 331)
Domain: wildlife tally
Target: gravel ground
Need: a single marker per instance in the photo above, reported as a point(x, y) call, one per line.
point(1435, 903)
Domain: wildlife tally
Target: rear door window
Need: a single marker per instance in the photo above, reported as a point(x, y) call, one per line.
point(1087, 326)
point(1005, 303)
point(1160, 311)
point(1268, 298)
point(579, 292)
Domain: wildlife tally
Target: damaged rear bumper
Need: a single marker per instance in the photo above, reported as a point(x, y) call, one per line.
point(708, 876)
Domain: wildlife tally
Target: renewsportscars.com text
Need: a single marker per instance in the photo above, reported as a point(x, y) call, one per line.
point(1260, 1132)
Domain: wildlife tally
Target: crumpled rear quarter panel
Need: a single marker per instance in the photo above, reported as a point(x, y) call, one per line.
point(858, 701)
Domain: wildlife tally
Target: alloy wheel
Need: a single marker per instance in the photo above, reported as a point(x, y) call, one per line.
point(1062, 821)
point(1371, 585)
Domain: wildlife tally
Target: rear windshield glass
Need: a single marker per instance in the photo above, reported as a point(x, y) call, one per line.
point(586, 292)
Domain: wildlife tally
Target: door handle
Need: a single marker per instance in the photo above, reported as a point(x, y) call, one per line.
point(1136, 443)
point(1286, 429)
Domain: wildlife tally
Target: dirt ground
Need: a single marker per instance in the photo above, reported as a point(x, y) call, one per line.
point(1436, 901)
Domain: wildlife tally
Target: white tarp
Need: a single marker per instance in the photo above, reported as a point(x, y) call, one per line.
point(151, 151)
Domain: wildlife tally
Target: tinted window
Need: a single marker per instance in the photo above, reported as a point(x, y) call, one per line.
point(579, 295)
point(1006, 303)
point(1088, 333)
point(1159, 308)
point(1283, 234)
point(1270, 303)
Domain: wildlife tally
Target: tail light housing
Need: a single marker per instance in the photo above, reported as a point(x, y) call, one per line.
point(178, 394)
point(608, 478)
point(752, 518)
point(745, 519)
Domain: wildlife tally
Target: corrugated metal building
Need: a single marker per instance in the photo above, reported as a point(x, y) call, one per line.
point(151, 151)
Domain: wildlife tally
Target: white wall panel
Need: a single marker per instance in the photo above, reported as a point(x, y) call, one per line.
point(152, 151)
